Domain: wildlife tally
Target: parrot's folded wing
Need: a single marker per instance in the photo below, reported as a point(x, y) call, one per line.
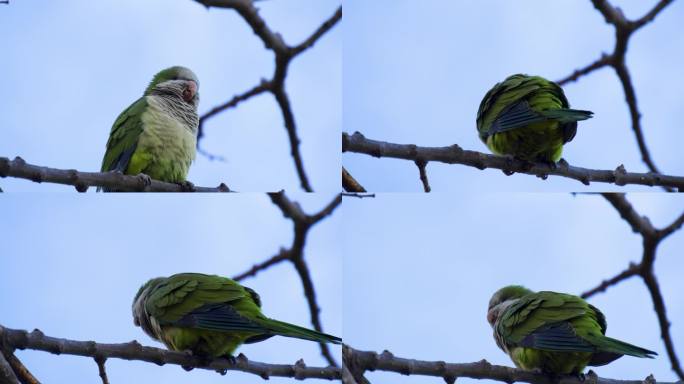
point(557, 337)
point(123, 138)
point(219, 317)
point(517, 115)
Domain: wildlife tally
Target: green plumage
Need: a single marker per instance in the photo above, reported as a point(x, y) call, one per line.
point(553, 332)
point(157, 134)
point(527, 117)
point(208, 315)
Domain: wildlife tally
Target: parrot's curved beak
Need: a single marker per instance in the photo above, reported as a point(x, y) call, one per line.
point(190, 91)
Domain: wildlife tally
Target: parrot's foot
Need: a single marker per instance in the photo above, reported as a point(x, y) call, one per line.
point(202, 360)
point(526, 164)
point(512, 161)
point(591, 376)
point(145, 180)
point(551, 164)
point(187, 186)
point(232, 359)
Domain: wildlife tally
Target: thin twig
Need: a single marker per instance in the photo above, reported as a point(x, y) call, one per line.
point(256, 268)
point(421, 164)
point(101, 368)
point(302, 223)
point(276, 86)
point(357, 195)
point(651, 239)
point(237, 99)
point(600, 63)
point(349, 183)
point(624, 29)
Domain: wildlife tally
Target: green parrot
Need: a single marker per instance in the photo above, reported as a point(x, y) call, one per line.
point(209, 315)
point(157, 134)
point(553, 332)
point(527, 117)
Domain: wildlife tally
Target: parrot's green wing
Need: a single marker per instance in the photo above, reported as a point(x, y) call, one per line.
point(566, 323)
point(542, 320)
point(123, 137)
point(522, 100)
point(204, 302)
point(219, 304)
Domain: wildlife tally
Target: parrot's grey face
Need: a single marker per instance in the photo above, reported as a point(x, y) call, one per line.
point(182, 90)
point(502, 299)
point(140, 317)
point(495, 311)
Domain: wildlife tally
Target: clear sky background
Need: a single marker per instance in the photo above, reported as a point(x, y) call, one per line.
point(416, 75)
point(71, 266)
point(419, 272)
point(70, 67)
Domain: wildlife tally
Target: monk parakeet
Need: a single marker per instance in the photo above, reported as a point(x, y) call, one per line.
point(527, 117)
point(208, 315)
point(553, 332)
point(157, 134)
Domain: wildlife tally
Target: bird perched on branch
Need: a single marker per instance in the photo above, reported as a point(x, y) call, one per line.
point(209, 315)
point(553, 332)
point(527, 117)
point(156, 135)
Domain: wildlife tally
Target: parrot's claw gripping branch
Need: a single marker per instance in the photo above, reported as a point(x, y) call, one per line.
point(284, 54)
point(114, 180)
point(36, 340)
point(356, 363)
point(454, 154)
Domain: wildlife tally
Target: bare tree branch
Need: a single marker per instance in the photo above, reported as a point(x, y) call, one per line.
point(386, 361)
point(83, 180)
point(349, 183)
point(7, 375)
point(302, 223)
point(651, 239)
point(357, 195)
point(36, 340)
point(24, 375)
point(276, 86)
point(623, 31)
point(454, 154)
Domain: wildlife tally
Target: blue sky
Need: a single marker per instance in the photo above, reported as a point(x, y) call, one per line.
point(419, 271)
point(71, 67)
point(416, 75)
point(72, 265)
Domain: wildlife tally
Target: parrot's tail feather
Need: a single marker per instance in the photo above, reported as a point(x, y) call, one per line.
point(609, 344)
point(567, 115)
point(290, 330)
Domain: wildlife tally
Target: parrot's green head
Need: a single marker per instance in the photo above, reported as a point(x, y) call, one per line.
point(140, 316)
point(178, 82)
point(502, 299)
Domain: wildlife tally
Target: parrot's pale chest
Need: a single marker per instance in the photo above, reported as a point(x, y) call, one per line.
point(166, 147)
